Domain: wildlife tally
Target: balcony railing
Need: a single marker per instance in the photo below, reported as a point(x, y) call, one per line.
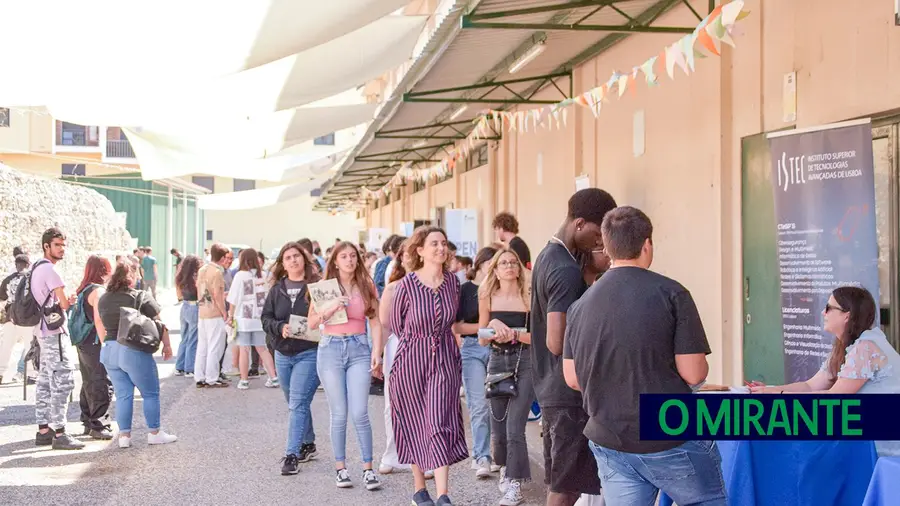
point(119, 149)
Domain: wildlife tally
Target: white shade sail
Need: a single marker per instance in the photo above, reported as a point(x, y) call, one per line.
point(262, 197)
point(290, 82)
point(156, 44)
point(160, 163)
point(255, 137)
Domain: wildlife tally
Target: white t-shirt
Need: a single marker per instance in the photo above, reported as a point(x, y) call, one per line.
point(388, 270)
point(248, 295)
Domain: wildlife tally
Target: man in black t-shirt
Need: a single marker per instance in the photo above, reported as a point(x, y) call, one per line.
point(557, 282)
point(506, 227)
point(636, 331)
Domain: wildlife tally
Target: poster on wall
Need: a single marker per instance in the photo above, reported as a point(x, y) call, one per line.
point(462, 230)
point(376, 238)
point(824, 185)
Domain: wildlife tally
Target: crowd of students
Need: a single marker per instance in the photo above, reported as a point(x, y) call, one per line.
point(584, 333)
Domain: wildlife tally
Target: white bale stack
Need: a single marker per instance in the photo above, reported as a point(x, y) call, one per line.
point(31, 204)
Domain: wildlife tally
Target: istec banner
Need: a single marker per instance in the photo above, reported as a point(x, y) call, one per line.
point(824, 186)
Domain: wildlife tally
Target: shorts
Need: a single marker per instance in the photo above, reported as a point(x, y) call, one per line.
point(255, 338)
point(569, 465)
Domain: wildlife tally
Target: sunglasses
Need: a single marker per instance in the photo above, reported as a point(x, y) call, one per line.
point(829, 307)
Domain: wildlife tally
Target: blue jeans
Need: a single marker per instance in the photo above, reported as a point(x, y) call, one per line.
point(343, 366)
point(690, 474)
point(129, 368)
point(474, 369)
point(187, 350)
point(299, 381)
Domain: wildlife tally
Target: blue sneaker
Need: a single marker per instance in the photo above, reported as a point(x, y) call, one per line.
point(422, 499)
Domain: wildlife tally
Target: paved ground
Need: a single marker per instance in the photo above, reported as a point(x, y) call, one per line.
point(228, 452)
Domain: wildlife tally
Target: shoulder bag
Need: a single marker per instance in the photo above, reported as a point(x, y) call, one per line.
point(136, 330)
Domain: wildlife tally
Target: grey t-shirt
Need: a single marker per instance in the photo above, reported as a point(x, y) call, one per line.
point(556, 284)
point(623, 335)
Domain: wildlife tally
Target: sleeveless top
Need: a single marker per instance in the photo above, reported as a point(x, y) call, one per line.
point(512, 319)
point(356, 318)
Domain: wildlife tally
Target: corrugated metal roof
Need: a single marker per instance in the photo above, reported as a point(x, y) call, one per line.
point(483, 55)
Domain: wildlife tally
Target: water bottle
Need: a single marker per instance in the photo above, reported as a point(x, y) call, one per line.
point(486, 333)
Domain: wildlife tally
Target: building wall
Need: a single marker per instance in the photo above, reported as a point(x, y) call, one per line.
point(688, 177)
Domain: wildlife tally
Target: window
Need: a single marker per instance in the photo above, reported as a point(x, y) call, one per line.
point(477, 158)
point(209, 236)
point(70, 134)
point(73, 169)
point(207, 182)
point(325, 140)
point(242, 185)
point(4, 117)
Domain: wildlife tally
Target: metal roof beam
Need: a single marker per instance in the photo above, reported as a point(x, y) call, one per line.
point(508, 101)
point(537, 10)
point(425, 127)
point(412, 160)
point(362, 158)
point(487, 84)
point(630, 28)
point(434, 137)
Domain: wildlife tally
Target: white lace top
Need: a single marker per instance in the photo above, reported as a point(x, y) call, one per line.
point(872, 358)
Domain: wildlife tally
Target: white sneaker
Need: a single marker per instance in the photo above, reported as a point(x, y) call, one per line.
point(513, 495)
point(495, 468)
point(124, 442)
point(385, 469)
point(244, 385)
point(482, 467)
point(272, 383)
point(342, 479)
point(429, 475)
point(160, 438)
point(504, 481)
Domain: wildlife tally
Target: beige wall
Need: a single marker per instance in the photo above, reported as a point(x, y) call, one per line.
point(688, 178)
point(51, 165)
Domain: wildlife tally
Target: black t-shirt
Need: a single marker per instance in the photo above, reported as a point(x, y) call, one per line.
point(518, 245)
point(556, 284)
point(624, 335)
point(468, 304)
point(109, 305)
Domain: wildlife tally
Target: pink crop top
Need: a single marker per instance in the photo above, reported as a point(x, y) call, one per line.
point(356, 319)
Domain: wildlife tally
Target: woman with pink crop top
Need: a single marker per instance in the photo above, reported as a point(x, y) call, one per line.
point(346, 361)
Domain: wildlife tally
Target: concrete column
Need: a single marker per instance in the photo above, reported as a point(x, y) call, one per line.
point(184, 229)
point(170, 231)
point(199, 231)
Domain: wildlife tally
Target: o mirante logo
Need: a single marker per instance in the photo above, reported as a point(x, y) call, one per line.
point(774, 417)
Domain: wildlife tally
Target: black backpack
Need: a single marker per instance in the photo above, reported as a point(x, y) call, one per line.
point(25, 311)
point(8, 295)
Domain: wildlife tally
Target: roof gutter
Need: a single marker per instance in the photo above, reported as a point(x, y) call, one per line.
point(441, 39)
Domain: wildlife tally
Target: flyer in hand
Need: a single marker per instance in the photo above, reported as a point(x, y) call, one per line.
point(325, 295)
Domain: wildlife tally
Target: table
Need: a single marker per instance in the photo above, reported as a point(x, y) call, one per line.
point(799, 473)
point(884, 488)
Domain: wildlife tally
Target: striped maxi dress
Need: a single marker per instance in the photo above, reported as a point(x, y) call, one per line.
point(426, 375)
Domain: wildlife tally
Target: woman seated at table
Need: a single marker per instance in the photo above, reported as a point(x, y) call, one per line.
point(861, 361)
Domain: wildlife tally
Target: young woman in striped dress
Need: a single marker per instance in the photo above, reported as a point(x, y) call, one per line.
point(427, 371)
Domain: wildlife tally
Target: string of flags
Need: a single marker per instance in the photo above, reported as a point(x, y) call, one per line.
point(717, 29)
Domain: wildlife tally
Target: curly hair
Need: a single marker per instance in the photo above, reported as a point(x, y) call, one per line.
point(122, 278)
point(506, 221)
point(413, 261)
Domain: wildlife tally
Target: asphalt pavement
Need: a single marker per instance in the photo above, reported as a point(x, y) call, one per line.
point(228, 453)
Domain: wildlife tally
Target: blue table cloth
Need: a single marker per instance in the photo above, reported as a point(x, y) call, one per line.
point(884, 489)
point(797, 473)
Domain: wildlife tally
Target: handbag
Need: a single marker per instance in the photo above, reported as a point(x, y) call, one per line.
point(136, 331)
point(503, 385)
